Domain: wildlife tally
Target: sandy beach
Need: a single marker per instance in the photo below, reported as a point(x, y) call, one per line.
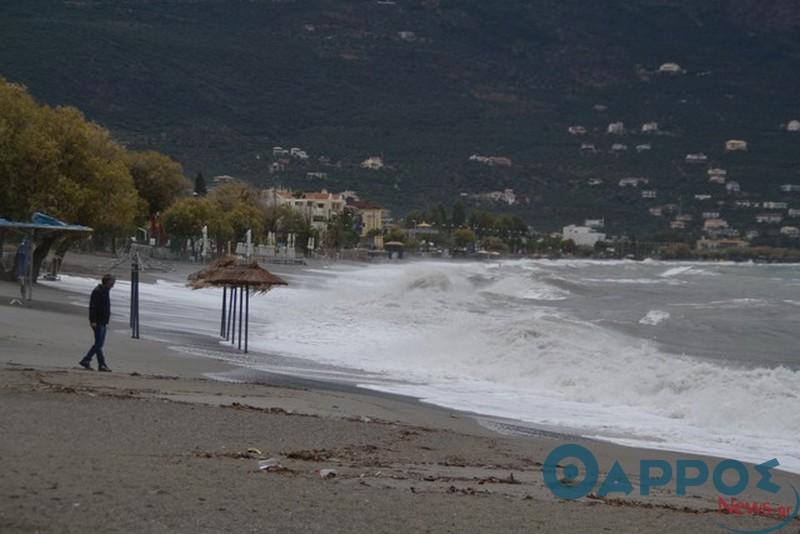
point(160, 446)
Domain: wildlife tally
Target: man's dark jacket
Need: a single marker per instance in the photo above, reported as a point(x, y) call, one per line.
point(100, 305)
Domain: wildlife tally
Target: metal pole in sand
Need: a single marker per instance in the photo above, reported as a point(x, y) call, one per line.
point(246, 318)
point(222, 322)
point(137, 298)
point(233, 313)
point(132, 297)
point(230, 314)
point(241, 309)
point(27, 278)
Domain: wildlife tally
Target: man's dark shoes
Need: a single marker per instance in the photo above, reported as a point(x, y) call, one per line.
point(85, 365)
point(104, 369)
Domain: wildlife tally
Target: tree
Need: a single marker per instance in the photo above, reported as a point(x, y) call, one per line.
point(414, 217)
point(185, 219)
point(241, 209)
point(482, 221)
point(459, 214)
point(200, 185)
point(441, 215)
point(396, 234)
point(463, 237)
point(341, 231)
point(57, 162)
point(158, 179)
point(494, 244)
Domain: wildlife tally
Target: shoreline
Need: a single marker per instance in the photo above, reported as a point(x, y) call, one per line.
point(390, 450)
point(190, 343)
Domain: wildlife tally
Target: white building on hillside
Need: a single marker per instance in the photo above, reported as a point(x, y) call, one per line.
point(733, 187)
point(696, 158)
point(670, 68)
point(616, 128)
point(650, 127)
point(374, 163)
point(735, 145)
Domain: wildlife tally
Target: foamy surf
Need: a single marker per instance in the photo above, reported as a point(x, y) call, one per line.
point(654, 317)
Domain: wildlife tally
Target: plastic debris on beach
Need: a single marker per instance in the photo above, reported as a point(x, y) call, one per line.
point(270, 465)
point(327, 473)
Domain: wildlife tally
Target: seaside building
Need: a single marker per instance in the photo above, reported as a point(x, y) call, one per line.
point(422, 229)
point(583, 236)
point(718, 244)
point(318, 208)
point(371, 215)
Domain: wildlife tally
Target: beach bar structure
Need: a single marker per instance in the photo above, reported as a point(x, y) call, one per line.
point(41, 226)
point(237, 281)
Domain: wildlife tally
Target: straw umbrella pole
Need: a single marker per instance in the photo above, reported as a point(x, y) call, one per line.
point(241, 279)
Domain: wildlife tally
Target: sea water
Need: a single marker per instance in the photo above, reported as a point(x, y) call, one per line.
point(697, 357)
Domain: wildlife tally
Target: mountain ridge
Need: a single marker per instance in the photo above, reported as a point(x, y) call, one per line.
point(426, 84)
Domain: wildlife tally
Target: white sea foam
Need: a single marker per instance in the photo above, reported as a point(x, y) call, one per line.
point(427, 327)
point(525, 288)
point(654, 317)
point(634, 281)
point(687, 270)
point(675, 271)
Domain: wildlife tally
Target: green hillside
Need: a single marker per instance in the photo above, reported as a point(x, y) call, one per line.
point(427, 83)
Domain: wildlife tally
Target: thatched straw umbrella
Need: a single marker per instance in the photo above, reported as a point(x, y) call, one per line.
point(242, 279)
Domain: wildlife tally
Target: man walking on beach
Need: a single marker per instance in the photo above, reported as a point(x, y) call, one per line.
point(99, 315)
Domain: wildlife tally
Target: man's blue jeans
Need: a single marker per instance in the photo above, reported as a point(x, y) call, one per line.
point(97, 348)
